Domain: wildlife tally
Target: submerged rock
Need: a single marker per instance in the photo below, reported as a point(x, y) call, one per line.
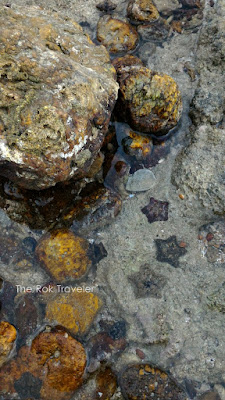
point(142, 11)
point(7, 340)
point(51, 368)
point(140, 181)
point(57, 93)
point(64, 255)
point(117, 35)
point(150, 102)
point(74, 310)
point(143, 381)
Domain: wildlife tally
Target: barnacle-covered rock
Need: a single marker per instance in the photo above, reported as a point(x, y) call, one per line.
point(57, 91)
point(142, 11)
point(116, 34)
point(7, 340)
point(150, 101)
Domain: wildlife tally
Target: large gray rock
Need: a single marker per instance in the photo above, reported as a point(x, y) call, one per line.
point(57, 91)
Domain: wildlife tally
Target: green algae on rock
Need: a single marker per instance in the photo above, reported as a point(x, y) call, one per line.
point(150, 101)
point(57, 93)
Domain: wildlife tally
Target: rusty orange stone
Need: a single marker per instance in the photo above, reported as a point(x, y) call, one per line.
point(142, 11)
point(75, 311)
point(7, 340)
point(52, 368)
point(64, 255)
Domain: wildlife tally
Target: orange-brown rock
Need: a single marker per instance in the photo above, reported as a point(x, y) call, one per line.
point(75, 311)
point(150, 101)
point(52, 368)
point(116, 35)
point(106, 384)
point(142, 11)
point(63, 254)
point(7, 340)
point(143, 381)
point(57, 93)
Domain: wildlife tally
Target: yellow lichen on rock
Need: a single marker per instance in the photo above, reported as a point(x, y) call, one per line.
point(75, 311)
point(116, 35)
point(7, 339)
point(64, 255)
point(151, 102)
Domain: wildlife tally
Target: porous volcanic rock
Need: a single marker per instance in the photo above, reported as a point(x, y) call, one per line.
point(57, 91)
point(149, 101)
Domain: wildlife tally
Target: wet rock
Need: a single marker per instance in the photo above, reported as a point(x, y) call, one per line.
point(142, 381)
point(103, 347)
point(198, 170)
point(75, 310)
point(137, 146)
point(147, 283)
point(52, 367)
point(142, 11)
point(7, 339)
point(106, 6)
point(57, 96)
point(64, 255)
point(169, 251)
point(140, 181)
point(97, 207)
point(28, 386)
point(155, 31)
point(212, 241)
point(210, 396)
point(150, 102)
point(26, 314)
point(106, 384)
point(156, 210)
point(116, 35)
point(166, 7)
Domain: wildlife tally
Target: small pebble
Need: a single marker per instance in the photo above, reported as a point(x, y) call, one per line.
point(140, 181)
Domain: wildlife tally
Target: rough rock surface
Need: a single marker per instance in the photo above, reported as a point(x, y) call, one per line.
point(7, 339)
point(57, 93)
point(116, 34)
point(52, 367)
point(150, 101)
point(195, 176)
point(142, 11)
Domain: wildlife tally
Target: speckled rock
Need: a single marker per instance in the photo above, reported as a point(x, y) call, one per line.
point(142, 11)
point(116, 35)
point(64, 255)
point(142, 381)
point(7, 340)
point(150, 102)
point(75, 311)
point(199, 169)
point(52, 368)
point(57, 94)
